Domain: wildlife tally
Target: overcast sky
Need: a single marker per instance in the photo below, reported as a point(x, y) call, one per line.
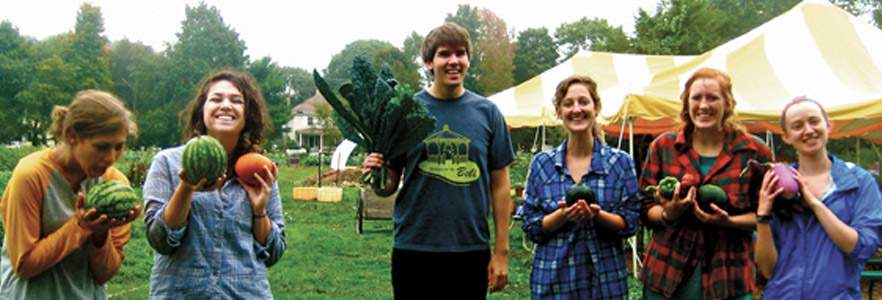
point(306, 34)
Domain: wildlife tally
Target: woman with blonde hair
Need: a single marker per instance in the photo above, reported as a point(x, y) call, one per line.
point(55, 248)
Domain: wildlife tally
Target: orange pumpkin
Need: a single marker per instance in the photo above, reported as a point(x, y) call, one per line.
point(251, 165)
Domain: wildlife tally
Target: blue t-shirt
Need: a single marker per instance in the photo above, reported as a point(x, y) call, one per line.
point(444, 202)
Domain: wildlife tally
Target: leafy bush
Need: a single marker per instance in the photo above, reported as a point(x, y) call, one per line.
point(9, 156)
point(135, 163)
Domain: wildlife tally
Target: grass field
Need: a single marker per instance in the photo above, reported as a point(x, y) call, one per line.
point(325, 258)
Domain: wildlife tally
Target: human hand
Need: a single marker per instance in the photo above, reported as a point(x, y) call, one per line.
point(93, 221)
point(202, 185)
point(259, 194)
point(675, 207)
point(717, 216)
point(808, 198)
point(373, 160)
point(497, 272)
point(578, 212)
point(767, 195)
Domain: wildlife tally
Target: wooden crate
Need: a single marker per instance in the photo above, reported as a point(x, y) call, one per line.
point(305, 193)
point(373, 207)
point(330, 194)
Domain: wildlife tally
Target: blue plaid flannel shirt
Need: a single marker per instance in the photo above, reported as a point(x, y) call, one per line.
point(581, 260)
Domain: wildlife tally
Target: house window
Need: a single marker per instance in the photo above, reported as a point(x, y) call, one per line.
point(309, 121)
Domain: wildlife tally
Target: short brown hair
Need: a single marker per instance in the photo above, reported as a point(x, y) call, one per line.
point(91, 113)
point(449, 34)
point(256, 116)
point(561, 92)
point(730, 120)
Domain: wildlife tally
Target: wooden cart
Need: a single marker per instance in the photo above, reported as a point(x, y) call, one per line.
point(373, 207)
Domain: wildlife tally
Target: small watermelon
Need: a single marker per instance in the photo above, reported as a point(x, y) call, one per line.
point(204, 157)
point(710, 193)
point(580, 191)
point(112, 198)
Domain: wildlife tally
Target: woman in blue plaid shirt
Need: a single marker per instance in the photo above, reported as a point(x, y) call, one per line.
point(580, 253)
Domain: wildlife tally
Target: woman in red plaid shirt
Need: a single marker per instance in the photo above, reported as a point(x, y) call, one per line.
point(695, 253)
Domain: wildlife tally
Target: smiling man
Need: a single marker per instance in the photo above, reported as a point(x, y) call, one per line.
point(442, 236)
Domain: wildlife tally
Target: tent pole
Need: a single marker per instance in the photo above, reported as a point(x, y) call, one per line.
point(535, 139)
point(770, 141)
point(624, 120)
point(631, 137)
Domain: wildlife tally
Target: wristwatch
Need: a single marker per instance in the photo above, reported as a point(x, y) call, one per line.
point(665, 221)
point(763, 218)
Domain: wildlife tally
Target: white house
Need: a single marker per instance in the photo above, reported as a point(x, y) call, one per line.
point(304, 127)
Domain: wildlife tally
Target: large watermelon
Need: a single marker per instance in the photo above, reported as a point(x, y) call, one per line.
point(204, 157)
point(112, 198)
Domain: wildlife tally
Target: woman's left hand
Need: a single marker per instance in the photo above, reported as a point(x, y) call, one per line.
point(259, 194)
point(717, 216)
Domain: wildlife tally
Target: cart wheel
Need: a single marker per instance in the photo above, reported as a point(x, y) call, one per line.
point(359, 216)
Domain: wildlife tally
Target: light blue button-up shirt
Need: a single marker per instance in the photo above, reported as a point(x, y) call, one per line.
point(214, 255)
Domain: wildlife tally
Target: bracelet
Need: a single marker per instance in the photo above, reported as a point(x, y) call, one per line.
point(765, 219)
point(259, 216)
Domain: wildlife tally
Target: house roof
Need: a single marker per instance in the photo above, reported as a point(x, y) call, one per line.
point(310, 104)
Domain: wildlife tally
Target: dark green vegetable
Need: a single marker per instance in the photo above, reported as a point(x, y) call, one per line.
point(580, 191)
point(710, 193)
point(665, 187)
point(378, 114)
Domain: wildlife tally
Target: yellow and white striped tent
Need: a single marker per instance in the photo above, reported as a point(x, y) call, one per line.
point(815, 49)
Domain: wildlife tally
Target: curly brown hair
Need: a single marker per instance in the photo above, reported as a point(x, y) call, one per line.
point(257, 118)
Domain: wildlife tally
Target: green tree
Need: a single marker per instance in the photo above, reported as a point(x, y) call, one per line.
point(413, 45)
point(204, 44)
point(300, 83)
point(274, 86)
point(686, 27)
point(535, 52)
point(135, 70)
point(338, 69)
point(331, 135)
point(15, 73)
point(404, 69)
point(498, 53)
point(594, 34)
point(468, 17)
point(51, 83)
point(88, 51)
point(739, 17)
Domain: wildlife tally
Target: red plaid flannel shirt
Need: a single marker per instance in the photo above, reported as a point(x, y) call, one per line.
point(725, 253)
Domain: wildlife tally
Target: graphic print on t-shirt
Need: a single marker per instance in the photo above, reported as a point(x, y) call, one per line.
point(447, 158)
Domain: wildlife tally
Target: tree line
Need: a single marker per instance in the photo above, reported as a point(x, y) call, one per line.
point(36, 74)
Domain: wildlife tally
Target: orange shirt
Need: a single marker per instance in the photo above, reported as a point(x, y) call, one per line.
point(43, 237)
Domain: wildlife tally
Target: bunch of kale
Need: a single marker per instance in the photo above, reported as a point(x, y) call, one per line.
point(377, 113)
